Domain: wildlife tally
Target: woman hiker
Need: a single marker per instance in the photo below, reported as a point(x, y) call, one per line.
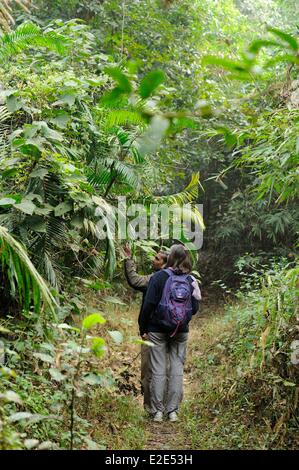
point(172, 297)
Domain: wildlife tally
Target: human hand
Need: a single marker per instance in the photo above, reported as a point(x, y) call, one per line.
point(127, 250)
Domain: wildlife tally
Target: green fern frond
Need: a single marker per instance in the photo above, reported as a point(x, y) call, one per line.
point(109, 169)
point(22, 275)
point(99, 177)
point(4, 114)
point(126, 141)
point(125, 171)
point(27, 35)
point(136, 155)
point(190, 194)
point(122, 117)
point(184, 200)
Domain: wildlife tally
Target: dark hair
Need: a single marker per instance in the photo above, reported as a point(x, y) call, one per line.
point(179, 259)
point(164, 256)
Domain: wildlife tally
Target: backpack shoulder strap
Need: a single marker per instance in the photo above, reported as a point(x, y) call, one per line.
point(168, 271)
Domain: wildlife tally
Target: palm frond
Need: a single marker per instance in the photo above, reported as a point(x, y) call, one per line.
point(126, 141)
point(4, 128)
point(99, 177)
point(188, 195)
point(27, 35)
point(108, 169)
point(136, 155)
point(50, 269)
point(126, 171)
point(25, 281)
point(4, 114)
point(106, 212)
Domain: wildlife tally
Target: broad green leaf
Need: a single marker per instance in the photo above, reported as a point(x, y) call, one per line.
point(49, 133)
point(68, 98)
point(225, 63)
point(116, 336)
point(289, 384)
point(255, 46)
point(48, 346)
point(4, 330)
point(11, 396)
point(39, 173)
point(77, 221)
point(32, 148)
point(37, 224)
point(45, 210)
point(121, 79)
point(31, 443)
point(92, 320)
point(31, 418)
point(65, 326)
point(63, 208)
point(13, 103)
point(92, 379)
point(112, 97)
point(113, 300)
point(19, 416)
point(98, 346)
point(292, 42)
point(26, 206)
point(44, 357)
point(61, 119)
point(7, 201)
point(56, 374)
point(150, 83)
point(294, 59)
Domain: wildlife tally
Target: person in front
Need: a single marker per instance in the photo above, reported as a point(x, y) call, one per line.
point(140, 282)
point(171, 299)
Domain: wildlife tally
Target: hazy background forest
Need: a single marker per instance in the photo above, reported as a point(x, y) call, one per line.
point(172, 101)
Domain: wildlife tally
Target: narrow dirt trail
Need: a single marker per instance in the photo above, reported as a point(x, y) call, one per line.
point(171, 436)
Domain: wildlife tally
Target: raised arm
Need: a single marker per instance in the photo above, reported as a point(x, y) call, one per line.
point(135, 280)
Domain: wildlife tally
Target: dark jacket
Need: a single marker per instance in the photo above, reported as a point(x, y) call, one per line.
point(147, 319)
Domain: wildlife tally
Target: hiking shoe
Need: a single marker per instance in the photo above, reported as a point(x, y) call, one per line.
point(173, 416)
point(158, 417)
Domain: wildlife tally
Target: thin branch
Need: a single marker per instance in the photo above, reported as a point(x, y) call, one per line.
point(123, 27)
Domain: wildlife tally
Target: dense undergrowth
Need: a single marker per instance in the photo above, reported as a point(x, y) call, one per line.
point(242, 366)
point(48, 402)
point(246, 369)
point(158, 102)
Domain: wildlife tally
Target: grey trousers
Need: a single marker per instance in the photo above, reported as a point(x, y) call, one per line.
point(145, 376)
point(175, 348)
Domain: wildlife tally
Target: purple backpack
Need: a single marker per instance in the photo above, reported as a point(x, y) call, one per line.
point(175, 307)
